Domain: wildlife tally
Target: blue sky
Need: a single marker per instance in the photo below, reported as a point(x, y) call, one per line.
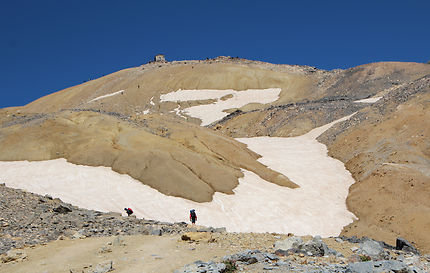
point(46, 46)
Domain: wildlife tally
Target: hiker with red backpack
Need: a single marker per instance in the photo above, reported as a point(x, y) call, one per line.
point(129, 211)
point(193, 216)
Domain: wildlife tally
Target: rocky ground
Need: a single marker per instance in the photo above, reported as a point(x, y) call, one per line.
point(29, 219)
point(43, 234)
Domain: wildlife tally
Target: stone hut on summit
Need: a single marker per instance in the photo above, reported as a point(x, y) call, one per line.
point(159, 58)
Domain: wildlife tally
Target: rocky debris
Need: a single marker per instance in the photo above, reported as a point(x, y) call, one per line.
point(254, 261)
point(30, 219)
point(368, 256)
point(24, 119)
point(280, 120)
point(103, 267)
point(156, 232)
point(313, 247)
point(379, 266)
point(13, 255)
point(199, 266)
point(381, 108)
point(403, 244)
point(251, 257)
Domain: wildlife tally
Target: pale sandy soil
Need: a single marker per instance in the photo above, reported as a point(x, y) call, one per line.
point(317, 208)
point(140, 254)
point(209, 113)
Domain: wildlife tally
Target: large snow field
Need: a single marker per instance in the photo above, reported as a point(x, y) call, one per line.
point(316, 208)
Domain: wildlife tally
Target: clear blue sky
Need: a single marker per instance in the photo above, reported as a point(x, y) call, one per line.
point(46, 46)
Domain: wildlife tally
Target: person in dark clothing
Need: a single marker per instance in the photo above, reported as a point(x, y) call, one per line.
point(129, 211)
point(193, 216)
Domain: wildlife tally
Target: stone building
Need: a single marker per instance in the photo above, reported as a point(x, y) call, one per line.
point(159, 58)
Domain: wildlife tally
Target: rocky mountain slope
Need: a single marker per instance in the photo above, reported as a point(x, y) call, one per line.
point(386, 147)
point(119, 121)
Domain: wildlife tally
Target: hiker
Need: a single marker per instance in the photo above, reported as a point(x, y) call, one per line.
point(193, 216)
point(129, 211)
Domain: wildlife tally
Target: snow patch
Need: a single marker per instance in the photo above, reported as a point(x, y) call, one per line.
point(209, 113)
point(108, 95)
point(369, 100)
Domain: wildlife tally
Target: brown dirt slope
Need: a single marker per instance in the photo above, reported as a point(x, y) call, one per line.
point(386, 147)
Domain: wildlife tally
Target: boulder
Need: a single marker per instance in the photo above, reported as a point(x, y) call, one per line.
point(295, 245)
point(247, 256)
point(63, 209)
point(289, 243)
point(371, 248)
point(403, 244)
point(316, 247)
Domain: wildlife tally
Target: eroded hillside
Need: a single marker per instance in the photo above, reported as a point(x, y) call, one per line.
point(176, 158)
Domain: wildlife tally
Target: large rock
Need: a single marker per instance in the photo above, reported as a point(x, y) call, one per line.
point(372, 248)
point(403, 244)
point(313, 247)
point(289, 243)
point(63, 209)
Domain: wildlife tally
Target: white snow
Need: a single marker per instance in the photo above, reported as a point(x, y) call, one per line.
point(316, 208)
point(209, 113)
point(369, 100)
point(108, 95)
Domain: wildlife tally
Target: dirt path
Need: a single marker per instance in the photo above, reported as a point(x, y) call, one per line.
point(140, 254)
